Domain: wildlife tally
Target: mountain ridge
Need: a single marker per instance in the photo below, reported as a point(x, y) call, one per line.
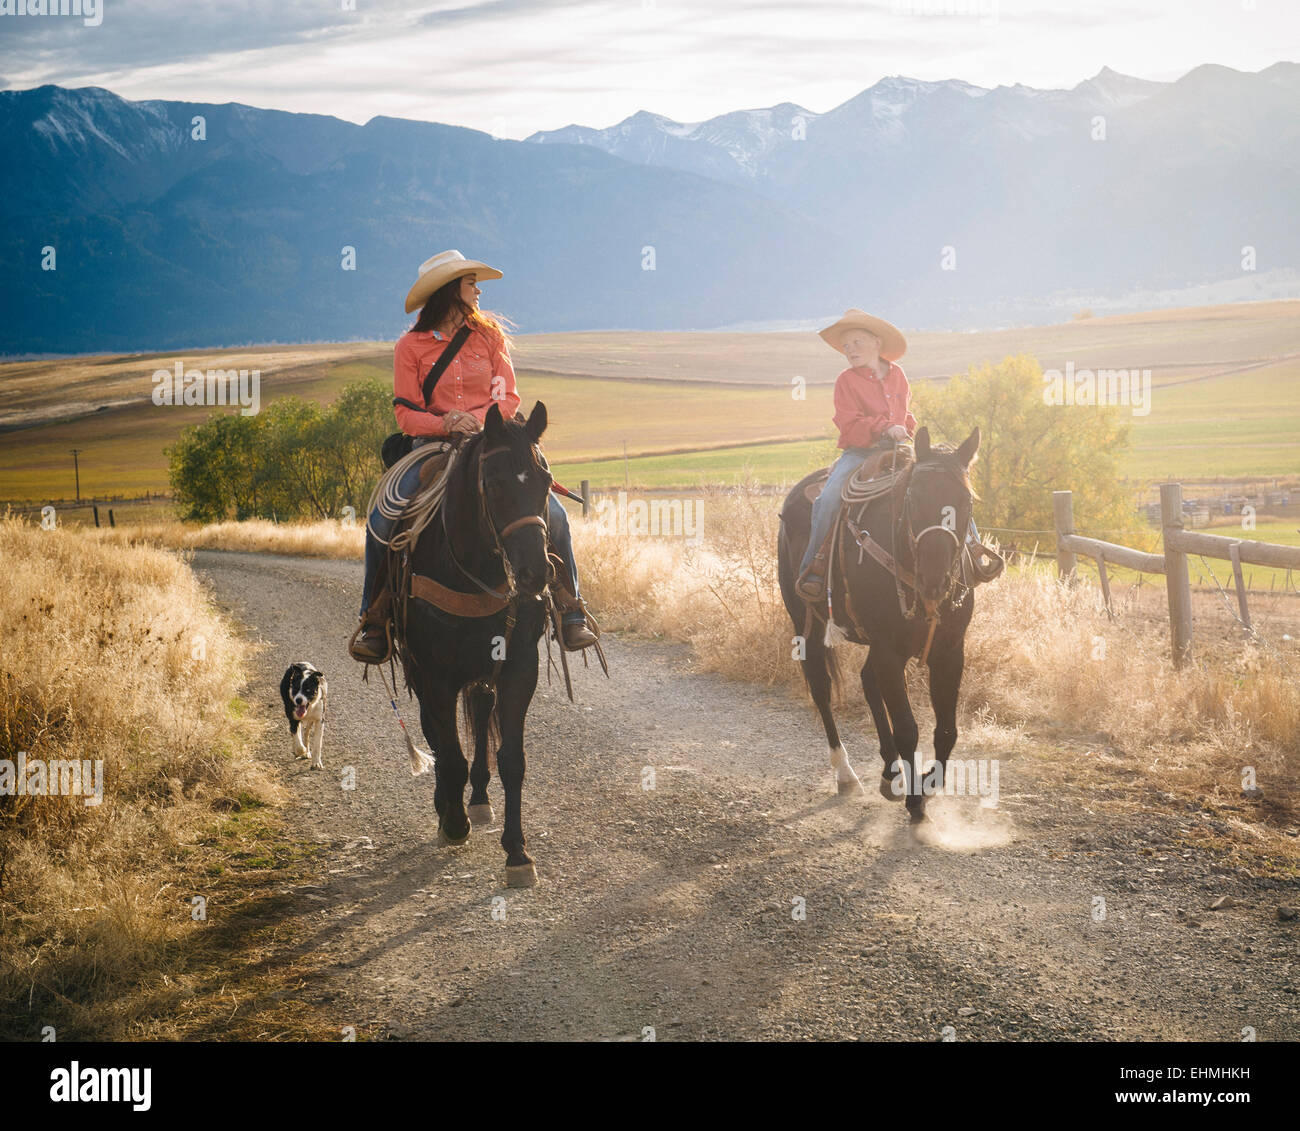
point(754, 216)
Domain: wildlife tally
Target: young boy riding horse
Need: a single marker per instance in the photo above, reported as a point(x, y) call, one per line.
point(479, 375)
point(872, 398)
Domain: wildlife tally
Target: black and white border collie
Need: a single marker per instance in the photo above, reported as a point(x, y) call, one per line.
point(304, 692)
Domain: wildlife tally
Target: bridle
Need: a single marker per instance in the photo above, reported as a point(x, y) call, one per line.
point(900, 522)
point(490, 602)
point(511, 595)
point(914, 539)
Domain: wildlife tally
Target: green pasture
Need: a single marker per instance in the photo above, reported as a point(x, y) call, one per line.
point(684, 430)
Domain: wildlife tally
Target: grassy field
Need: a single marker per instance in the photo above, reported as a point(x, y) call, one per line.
point(760, 463)
point(690, 409)
point(96, 933)
point(1184, 342)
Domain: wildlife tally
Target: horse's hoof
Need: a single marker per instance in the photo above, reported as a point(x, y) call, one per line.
point(521, 875)
point(481, 814)
point(447, 841)
point(849, 788)
point(916, 816)
point(887, 789)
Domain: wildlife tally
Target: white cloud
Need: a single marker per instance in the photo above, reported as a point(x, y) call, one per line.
point(514, 66)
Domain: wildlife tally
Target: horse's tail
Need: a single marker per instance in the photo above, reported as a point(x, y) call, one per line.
point(481, 710)
point(819, 659)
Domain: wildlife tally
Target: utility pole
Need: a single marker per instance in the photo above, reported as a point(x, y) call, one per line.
point(76, 471)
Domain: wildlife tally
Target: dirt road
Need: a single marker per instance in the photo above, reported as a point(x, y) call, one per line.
point(675, 912)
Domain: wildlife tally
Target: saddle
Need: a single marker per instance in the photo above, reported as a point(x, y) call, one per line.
point(874, 479)
point(396, 582)
point(882, 464)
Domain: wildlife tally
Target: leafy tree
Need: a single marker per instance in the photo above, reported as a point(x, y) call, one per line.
point(1029, 448)
point(292, 460)
point(291, 469)
point(352, 432)
point(214, 468)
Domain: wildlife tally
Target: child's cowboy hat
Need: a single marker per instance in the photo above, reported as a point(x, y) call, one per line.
point(440, 270)
point(892, 343)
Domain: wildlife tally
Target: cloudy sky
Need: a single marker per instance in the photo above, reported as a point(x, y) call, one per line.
point(514, 66)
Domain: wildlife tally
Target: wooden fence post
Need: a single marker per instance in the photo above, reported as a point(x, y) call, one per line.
point(1063, 510)
point(1176, 579)
point(1105, 585)
point(1234, 554)
point(586, 498)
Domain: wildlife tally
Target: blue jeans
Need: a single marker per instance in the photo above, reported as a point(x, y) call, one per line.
point(828, 502)
point(384, 527)
point(557, 522)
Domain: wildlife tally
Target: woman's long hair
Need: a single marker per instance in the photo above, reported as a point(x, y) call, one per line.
point(446, 302)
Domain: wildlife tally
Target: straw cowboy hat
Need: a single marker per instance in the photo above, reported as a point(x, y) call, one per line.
point(440, 270)
point(892, 343)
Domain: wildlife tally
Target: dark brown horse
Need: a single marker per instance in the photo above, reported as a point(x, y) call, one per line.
point(921, 607)
point(487, 553)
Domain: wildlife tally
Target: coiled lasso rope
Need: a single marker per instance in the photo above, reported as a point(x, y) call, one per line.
point(421, 507)
point(859, 490)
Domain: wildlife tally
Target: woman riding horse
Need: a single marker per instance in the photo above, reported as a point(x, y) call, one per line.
point(480, 375)
point(872, 398)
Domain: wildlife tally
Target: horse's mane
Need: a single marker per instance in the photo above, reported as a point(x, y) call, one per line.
point(468, 452)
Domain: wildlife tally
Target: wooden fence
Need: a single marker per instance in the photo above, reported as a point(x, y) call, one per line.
point(1178, 542)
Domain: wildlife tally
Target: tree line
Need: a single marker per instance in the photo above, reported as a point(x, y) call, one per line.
point(294, 459)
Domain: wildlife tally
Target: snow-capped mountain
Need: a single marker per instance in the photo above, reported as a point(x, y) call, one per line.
point(938, 203)
point(745, 144)
point(730, 147)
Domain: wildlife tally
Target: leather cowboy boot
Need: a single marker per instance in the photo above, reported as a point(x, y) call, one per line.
point(811, 585)
point(575, 635)
point(372, 643)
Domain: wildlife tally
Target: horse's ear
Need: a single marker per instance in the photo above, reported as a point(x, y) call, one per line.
point(969, 447)
point(537, 422)
point(493, 424)
point(922, 442)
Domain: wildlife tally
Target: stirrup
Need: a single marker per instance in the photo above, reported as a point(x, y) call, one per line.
point(806, 582)
point(564, 636)
point(386, 629)
point(589, 622)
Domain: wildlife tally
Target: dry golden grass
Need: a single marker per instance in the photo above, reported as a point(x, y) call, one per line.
point(57, 388)
point(1190, 338)
point(114, 653)
point(1043, 660)
point(329, 538)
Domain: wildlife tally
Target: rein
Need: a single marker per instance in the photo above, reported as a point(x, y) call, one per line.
point(511, 595)
point(489, 601)
point(914, 539)
point(461, 604)
point(902, 576)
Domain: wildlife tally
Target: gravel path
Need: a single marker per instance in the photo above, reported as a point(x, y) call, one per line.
point(675, 909)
